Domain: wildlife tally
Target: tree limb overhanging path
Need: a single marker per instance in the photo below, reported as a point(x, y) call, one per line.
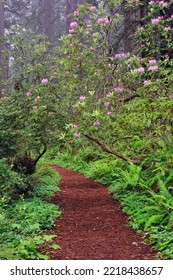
point(92, 225)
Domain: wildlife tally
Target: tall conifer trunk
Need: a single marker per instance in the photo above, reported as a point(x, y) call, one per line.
point(48, 20)
point(2, 45)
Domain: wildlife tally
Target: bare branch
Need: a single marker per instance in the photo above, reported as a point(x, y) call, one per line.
point(106, 149)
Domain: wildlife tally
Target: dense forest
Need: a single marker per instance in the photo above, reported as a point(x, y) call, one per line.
point(87, 85)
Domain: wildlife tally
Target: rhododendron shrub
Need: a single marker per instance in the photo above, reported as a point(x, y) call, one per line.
point(113, 95)
point(29, 114)
point(121, 101)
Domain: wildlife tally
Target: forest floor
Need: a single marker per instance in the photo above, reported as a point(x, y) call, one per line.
point(92, 225)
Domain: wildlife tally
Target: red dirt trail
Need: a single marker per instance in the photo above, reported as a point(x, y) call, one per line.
point(92, 225)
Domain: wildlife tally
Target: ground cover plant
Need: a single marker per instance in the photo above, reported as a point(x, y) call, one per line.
point(25, 216)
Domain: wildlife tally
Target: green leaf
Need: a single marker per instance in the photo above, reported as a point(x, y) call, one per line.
point(49, 237)
point(42, 256)
point(55, 246)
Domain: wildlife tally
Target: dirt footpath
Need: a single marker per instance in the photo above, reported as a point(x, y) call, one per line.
point(92, 225)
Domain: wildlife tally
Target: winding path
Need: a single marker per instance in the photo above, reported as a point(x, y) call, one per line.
point(92, 225)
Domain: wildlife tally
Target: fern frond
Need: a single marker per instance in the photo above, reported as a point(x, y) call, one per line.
point(164, 191)
point(154, 219)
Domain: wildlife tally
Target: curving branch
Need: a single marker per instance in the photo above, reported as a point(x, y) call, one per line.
point(104, 148)
point(40, 155)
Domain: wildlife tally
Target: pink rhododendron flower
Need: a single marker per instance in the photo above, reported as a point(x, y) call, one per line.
point(108, 94)
point(167, 28)
point(111, 65)
point(75, 126)
point(82, 97)
point(108, 112)
point(28, 93)
point(151, 3)
point(93, 9)
point(153, 61)
point(106, 104)
point(120, 55)
point(71, 30)
point(34, 107)
point(76, 13)
point(107, 21)
point(44, 81)
point(100, 20)
point(103, 21)
point(99, 99)
point(118, 89)
point(36, 99)
point(96, 123)
point(141, 70)
point(163, 4)
point(73, 24)
point(77, 134)
point(155, 21)
point(153, 68)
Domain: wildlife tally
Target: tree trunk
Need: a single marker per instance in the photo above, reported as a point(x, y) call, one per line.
point(2, 45)
point(48, 20)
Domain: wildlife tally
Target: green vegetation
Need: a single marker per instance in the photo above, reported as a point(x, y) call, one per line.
point(145, 192)
point(26, 215)
point(85, 91)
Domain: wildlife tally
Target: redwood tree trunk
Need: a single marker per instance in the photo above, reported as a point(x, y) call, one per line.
point(2, 31)
point(48, 19)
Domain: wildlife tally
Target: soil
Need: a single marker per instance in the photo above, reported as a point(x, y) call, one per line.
point(92, 225)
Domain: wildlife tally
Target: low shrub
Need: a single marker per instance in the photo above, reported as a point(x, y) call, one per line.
point(46, 182)
point(23, 220)
point(12, 184)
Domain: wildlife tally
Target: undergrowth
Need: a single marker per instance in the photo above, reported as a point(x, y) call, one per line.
point(145, 191)
point(25, 218)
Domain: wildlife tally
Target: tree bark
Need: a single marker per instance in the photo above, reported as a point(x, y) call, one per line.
point(2, 46)
point(106, 149)
point(48, 20)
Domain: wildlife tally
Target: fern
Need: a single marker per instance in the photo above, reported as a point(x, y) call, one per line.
point(164, 191)
point(162, 200)
point(154, 219)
